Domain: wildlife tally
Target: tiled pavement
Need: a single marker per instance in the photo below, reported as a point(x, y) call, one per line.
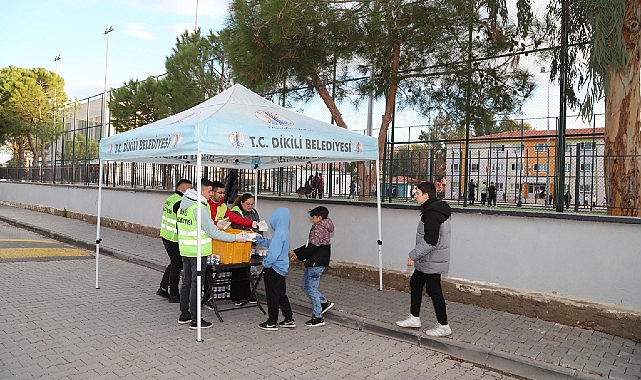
point(506, 342)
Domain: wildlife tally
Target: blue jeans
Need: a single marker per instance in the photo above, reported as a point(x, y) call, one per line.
point(311, 280)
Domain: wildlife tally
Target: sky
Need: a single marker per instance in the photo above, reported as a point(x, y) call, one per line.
point(34, 32)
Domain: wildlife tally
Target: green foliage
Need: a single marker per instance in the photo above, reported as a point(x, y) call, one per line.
point(139, 103)
point(79, 149)
point(596, 46)
point(30, 100)
point(270, 43)
point(195, 70)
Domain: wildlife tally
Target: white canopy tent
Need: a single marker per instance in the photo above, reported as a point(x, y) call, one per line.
point(238, 129)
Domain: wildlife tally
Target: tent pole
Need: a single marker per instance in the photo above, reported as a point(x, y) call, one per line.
point(380, 231)
point(199, 217)
point(98, 239)
point(256, 189)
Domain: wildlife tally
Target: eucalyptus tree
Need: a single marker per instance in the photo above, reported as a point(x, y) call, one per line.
point(30, 100)
point(604, 60)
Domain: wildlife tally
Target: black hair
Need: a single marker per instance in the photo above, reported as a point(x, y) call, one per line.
point(183, 182)
point(321, 211)
point(217, 185)
point(206, 182)
point(429, 188)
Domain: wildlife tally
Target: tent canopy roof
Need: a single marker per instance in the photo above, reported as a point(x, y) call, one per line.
point(239, 129)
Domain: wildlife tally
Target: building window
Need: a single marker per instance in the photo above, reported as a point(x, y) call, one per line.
point(455, 168)
point(474, 168)
point(498, 148)
point(586, 167)
point(540, 148)
point(517, 166)
point(587, 188)
point(541, 167)
point(588, 145)
point(568, 167)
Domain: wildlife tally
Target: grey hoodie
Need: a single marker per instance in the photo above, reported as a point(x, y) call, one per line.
point(432, 251)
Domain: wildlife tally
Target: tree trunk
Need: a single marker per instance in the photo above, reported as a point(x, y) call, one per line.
point(329, 101)
point(622, 161)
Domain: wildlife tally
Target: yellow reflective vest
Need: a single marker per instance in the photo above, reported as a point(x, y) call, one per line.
point(188, 234)
point(168, 229)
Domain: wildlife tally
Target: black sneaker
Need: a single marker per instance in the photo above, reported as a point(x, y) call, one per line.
point(162, 292)
point(209, 304)
point(315, 321)
point(184, 319)
point(326, 306)
point(287, 323)
point(268, 326)
point(203, 324)
point(174, 299)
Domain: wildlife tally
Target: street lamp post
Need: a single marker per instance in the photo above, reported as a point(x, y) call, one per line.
point(104, 94)
point(104, 110)
point(55, 111)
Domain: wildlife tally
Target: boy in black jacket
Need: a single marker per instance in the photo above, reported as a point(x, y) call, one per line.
point(315, 254)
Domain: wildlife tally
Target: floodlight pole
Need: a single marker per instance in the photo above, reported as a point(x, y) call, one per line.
point(102, 126)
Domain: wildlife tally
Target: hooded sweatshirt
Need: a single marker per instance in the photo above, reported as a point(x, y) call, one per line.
point(278, 246)
point(317, 251)
point(432, 251)
point(207, 225)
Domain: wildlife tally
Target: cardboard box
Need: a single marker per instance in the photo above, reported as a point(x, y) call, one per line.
point(232, 252)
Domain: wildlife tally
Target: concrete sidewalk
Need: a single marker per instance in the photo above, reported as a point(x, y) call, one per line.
point(515, 344)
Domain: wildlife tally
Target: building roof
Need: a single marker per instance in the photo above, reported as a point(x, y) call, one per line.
point(541, 133)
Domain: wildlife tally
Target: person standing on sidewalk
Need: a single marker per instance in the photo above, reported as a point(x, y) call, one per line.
point(169, 234)
point(187, 223)
point(316, 254)
point(320, 185)
point(430, 258)
point(275, 268)
point(491, 195)
point(483, 193)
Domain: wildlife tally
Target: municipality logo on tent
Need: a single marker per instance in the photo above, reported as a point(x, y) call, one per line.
point(273, 118)
point(237, 139)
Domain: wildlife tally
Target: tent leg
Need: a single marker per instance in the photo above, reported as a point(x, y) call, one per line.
point(98, 239)
point(380, 230)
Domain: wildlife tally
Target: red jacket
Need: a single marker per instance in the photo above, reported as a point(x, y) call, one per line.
point(233, 217)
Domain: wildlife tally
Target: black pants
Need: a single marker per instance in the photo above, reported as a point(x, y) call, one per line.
point(189, 290)
point(171, 277)
point(276, 292)
point(432, 283)
point(240, 286)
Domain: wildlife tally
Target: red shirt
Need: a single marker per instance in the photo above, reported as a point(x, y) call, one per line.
point(233, 217)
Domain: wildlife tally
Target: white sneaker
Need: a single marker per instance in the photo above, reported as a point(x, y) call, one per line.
point(439, 330)
point(411, 321)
